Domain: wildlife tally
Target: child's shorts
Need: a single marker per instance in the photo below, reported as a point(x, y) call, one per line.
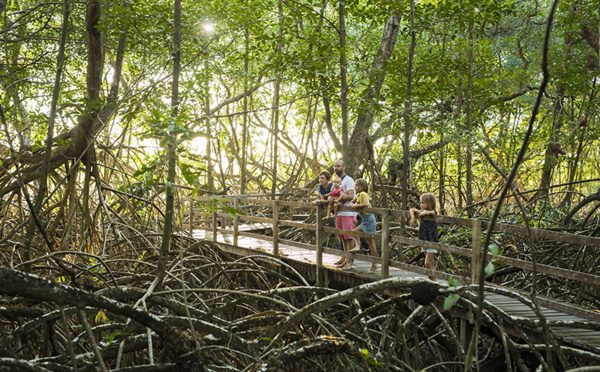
point(368, 223)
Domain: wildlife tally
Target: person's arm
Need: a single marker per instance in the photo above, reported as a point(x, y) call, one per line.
point(319, 200)
point(348, 196)
point(364, 202)
point(414, 214)
point(427, 213)
point(353, 204)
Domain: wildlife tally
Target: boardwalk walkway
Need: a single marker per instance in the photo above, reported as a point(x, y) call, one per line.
point(570, 324)
point(587, 339)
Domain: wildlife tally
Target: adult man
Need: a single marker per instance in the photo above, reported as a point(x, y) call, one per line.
point(345, 220)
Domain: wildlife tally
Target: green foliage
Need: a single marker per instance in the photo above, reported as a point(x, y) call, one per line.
point(215, 204)
point(453, 282)
point(494, 250)
point(505, 48)
point(450, 301)
point(490, 268)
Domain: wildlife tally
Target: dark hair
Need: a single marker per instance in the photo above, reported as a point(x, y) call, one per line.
point(363, 184)
point(326, 174)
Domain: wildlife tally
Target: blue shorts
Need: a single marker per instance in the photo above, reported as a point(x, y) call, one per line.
point(368, 223)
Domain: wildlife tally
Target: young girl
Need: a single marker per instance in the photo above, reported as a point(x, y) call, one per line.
point(428, 230)
point(368, 223)
point(334, 196)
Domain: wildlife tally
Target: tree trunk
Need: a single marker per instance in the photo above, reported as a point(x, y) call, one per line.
point(245, 118)
point(407, 112)
point(93, 120)
point(41, 195)
point(275, 112)
point(209, 166)
point(566, 202)
point(343, 82)
point(442, 161)
point(552, 151)
point(469, 154)
point(364, 121)
point(171, 149)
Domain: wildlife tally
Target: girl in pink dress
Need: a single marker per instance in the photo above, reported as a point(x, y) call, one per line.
point(334, 196)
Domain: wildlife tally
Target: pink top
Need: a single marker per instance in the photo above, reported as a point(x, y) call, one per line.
point(336, 193)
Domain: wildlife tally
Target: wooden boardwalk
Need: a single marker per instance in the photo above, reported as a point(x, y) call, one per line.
point(587, 339)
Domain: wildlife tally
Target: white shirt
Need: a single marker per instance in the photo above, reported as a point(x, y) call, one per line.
point(347, 185)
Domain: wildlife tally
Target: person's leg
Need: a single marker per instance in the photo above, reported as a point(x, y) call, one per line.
point(349, 247)
point(335, 209)
point(429, 262)
point(356, 240)
point(350, 224)
point(347, 223)
point(328, 210)
point(373, 248)
point(342, 260)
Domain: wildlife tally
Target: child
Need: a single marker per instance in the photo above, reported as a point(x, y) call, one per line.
point(334, 197)
point(428, 230)
point(368, 223)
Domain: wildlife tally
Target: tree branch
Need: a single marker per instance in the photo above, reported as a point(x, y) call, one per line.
point(591, 37)
point(14, 282)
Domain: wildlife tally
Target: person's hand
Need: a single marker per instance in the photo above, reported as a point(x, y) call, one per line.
point(353, 205)
point(413, 222)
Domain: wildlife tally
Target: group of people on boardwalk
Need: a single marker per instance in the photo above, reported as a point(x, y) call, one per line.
point(342, 190)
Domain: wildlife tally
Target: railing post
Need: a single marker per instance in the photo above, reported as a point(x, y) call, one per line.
point(214, 226)
point(319, 244)
point(191, 216)
point(476, 253)
point(385, 244)
point(403, 221)
point(181, 212)
point(276, 227)
point(236, 221)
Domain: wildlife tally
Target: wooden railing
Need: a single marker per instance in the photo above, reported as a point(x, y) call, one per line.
point(272, 216)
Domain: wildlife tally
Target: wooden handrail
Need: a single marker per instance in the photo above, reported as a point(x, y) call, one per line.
point(475, 253)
